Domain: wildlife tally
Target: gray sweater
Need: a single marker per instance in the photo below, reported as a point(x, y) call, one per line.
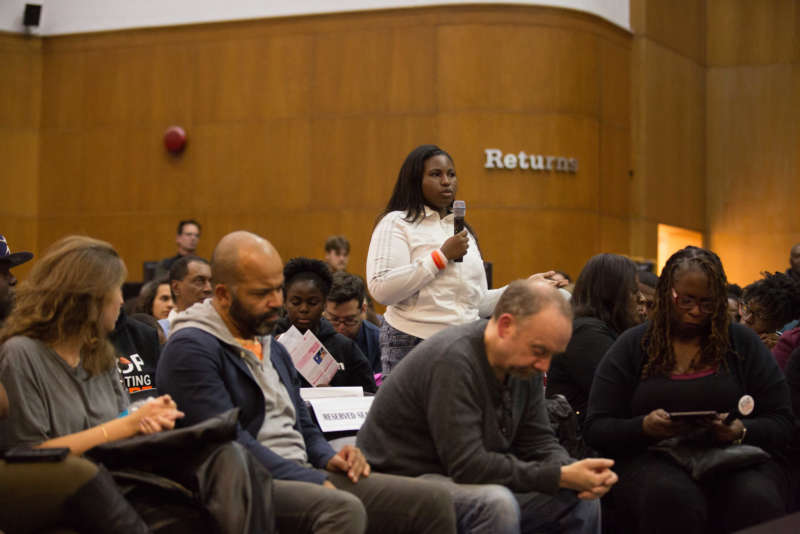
point(442, 411)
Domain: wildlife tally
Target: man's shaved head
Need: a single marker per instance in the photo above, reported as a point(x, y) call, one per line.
point(247, 274)
point(235, 253)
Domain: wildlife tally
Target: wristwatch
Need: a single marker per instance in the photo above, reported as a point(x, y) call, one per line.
point(741, 436)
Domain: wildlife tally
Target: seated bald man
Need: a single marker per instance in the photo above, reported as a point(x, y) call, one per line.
point(466, 407)
point(219, 356)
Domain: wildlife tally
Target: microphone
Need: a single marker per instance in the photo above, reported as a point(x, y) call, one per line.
point(459, 210)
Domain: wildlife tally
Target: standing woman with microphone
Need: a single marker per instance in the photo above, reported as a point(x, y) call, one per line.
point(411, 264)
point(428, 276)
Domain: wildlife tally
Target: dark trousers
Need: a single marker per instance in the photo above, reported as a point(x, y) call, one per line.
point(378, 504)
point(654, 495)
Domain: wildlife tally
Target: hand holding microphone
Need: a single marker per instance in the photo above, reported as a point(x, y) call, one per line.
point(455, 247)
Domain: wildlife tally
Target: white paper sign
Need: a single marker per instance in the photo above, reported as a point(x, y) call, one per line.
point(310, 357)
point(327, 392)
point(338, 414)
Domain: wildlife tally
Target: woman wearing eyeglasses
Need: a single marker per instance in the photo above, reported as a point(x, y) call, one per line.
point(689, 358)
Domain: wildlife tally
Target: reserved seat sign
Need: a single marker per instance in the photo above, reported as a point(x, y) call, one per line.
point(341, 413)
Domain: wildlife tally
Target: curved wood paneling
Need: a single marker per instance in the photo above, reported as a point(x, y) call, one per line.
point(297, 128)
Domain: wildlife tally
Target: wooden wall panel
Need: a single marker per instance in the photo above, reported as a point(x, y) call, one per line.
point(668, 113)
point(521, 242)
point(393, 71)
point(754, 166)
point(356, 159)
point(614, 188)
point(252, 79)
point(517, 68)
point(669, 137)
point(675, 24)
point(743, 32)
point(297, 128)
point(20, 117)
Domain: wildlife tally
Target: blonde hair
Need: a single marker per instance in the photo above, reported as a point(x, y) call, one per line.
point(63, 297)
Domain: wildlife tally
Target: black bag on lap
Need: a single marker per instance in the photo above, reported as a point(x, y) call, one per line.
point(193, 479)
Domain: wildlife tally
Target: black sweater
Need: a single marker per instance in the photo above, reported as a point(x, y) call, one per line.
point(357, 371)
point(571, 373)
point(613, 429)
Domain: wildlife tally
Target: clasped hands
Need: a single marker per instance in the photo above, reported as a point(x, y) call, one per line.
point(156, 414)
point(590, 477)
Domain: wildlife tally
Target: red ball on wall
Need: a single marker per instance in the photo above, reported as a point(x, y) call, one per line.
point(175, 139)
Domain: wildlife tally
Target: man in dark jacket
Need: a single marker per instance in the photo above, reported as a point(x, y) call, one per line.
point(219, 357)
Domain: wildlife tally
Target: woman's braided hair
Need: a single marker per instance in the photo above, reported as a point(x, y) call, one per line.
point(657, 341)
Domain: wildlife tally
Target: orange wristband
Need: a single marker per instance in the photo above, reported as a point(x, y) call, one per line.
point(438, 260)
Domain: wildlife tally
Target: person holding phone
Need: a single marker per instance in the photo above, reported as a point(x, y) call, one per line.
point(689, 358)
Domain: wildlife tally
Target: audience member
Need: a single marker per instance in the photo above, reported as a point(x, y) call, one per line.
point(769, 304)
point(8, 280)
point(466, 408)
point(646, 282)
point(138, 348)
point(155, 298)
point(428, 277)
point(735, 303)
point(337, 252)
point(605, 305)
point(307, 285)
point(190, 282)
point(346, 310)
point(187, 239)
point(59, 368)
point(689, 357)
point(219, 356)
point(794, 263)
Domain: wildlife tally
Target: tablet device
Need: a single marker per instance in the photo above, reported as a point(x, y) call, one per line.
point(689, 417)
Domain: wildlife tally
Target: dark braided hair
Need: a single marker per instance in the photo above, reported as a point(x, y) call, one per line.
point(657, 341)
point(778, 294)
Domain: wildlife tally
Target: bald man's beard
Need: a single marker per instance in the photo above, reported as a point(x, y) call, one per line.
point(250, 325)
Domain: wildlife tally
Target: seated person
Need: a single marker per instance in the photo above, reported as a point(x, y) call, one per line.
point(346, 310)
point(155, 298)
point(190, 283)
point(307, 284)
point(137, 347)
point(605, 305)
point(187, 239)
point(735, 302)
point(646, 282)
point(220, 356)
point(465, 407)
point(769, 304)
point(689, 357)
point(337, 252)
point(60, 370)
